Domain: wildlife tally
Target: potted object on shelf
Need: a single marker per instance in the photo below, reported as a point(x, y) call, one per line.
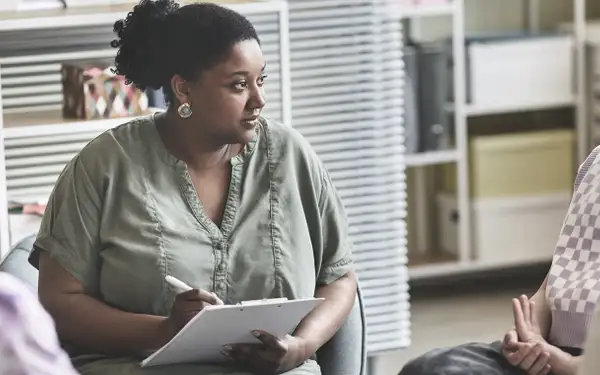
point(93, 91)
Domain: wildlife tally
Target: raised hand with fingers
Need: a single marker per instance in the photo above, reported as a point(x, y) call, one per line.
point(526, 324)
point(272, 355)
point(524, 346)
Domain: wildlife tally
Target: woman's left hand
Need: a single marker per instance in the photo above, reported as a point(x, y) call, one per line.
point(272, 356)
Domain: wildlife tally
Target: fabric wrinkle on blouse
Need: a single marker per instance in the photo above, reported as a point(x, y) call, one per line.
point(124, 214)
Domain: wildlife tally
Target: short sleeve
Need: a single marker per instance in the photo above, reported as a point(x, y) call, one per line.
point(336, 259)
point(70, 228)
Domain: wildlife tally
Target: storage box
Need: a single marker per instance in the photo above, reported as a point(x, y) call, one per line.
point(92, 91)
point(519, 70)
point(516, 164)
point(507, 230)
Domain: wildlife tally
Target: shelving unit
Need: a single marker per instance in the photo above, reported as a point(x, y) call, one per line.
point(434, 264)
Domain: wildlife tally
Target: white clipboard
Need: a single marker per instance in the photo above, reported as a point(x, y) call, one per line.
point(203, 338)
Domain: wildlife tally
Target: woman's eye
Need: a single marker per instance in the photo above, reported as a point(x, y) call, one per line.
point(240, 85)
point(261, 79)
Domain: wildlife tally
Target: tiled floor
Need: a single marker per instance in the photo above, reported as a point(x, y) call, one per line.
point(452, 320)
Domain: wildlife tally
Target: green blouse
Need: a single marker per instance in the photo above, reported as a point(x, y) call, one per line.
point(124, 214)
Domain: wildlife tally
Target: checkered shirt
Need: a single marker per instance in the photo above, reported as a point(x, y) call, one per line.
point(573, 289)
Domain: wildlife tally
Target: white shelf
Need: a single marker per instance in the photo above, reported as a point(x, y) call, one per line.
point(107, 14)
point(431, 158)
point(451, 268)
point(431, 265)
point(473, 110)
point(39, 123)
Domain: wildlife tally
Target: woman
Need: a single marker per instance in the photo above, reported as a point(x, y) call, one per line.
point(551, 327)
point(209, 192)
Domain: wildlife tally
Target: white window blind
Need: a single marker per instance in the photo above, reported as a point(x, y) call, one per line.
point(347, 89)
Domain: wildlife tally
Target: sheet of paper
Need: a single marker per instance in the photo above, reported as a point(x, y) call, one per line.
point(203, 338)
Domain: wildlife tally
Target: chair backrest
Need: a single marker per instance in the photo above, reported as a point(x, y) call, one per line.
point(344, 354)
point(16, 263)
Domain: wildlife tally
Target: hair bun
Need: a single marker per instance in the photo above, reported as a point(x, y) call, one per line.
point(140, 40)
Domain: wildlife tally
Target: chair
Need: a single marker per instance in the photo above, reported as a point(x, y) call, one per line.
point(344, 354)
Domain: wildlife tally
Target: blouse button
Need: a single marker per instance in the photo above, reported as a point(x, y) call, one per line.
point(222, 267)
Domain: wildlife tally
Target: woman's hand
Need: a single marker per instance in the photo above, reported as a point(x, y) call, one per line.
point(532, 358)
point(272, 355)
point(185, 307)
point(524, 347)
point(526, 324)
point(526, 341)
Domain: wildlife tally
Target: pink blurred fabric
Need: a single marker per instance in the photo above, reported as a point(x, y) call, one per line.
point(28, 341)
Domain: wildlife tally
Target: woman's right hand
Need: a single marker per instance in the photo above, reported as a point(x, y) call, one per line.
point(186, 306)
point(532, 358)
point(524, 346)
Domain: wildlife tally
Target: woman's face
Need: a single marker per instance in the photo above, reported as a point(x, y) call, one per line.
point(227, 98)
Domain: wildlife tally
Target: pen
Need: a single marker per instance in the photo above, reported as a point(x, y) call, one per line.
point(177, 284)
point(182, 287)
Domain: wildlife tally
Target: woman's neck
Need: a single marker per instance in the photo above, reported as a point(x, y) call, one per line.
point(183, 140)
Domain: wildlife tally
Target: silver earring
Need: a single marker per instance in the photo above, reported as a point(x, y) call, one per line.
point(184, 110)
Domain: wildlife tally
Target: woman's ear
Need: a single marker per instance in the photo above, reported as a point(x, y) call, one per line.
point(181, 89)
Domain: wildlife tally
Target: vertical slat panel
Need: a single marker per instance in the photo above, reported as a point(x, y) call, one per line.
point(347, 88)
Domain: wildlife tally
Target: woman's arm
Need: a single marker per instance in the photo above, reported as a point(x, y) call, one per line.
point(542, 310)
point(563, 363)
point(324, 321)
point(86, 323)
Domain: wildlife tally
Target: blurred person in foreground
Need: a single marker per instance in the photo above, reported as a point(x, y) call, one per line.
point(28, 342)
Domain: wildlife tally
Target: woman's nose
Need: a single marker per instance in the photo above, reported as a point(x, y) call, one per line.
point(257, 100)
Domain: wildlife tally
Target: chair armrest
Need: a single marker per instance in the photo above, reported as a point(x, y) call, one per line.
point(16, 263)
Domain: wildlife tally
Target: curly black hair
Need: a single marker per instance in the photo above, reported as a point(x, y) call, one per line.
point(159, 39)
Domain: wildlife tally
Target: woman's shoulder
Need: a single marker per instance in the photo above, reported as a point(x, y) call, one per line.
point(289, 145)
point(295, 160)
point(125, 142)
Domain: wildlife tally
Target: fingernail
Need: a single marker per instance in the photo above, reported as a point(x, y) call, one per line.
point(256, 333)
point(227, 349)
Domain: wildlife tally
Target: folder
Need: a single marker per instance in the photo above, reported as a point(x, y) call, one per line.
point(203, 338)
